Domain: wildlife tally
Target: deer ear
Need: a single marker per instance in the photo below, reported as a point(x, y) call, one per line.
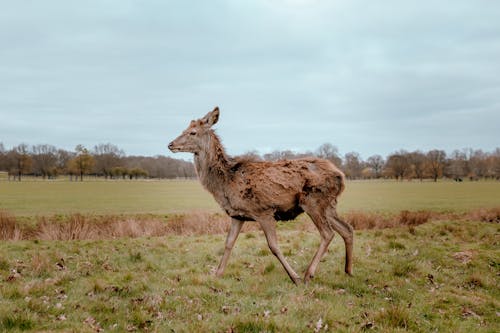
point(211, 118)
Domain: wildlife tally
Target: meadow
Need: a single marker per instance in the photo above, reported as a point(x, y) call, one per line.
point(439, 276)
point(30, 198)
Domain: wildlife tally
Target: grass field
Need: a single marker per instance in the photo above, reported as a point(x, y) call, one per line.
point(440, 276)
point(165, 197)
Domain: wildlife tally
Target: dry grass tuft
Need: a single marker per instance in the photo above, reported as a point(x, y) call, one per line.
point(9, 229)
point(80, 227)
point(366, 220)
point(414, 218)
point(491, 215)
point(198, 223)
point(75, 227)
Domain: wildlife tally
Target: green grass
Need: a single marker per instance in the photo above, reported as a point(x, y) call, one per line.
point(403, 281)
point(29, 198)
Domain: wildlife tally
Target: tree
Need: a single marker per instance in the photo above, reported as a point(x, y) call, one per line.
point(107, 156)
point(44, 160)
point(457, 166)
point(329, 152)
point(436, 161)
point(137, 172)
point(417, 161)
point(83, 163)
point(3, 158)
point(376, 163)
point(398, 165)
point(477, 164)
point(20, 160)
point(496, 163)
point(63, 161)
point(352, 165)
point(119, 172)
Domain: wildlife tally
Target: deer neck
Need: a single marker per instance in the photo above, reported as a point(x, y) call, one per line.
point(212, 165)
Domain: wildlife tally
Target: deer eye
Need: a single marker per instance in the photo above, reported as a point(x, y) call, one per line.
point(192, 133)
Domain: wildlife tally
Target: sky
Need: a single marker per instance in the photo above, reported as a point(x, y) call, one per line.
point(367, 76)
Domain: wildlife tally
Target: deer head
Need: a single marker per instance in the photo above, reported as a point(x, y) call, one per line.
point(193, 139)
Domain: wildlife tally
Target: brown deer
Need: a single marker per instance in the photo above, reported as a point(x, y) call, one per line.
point(266, 192)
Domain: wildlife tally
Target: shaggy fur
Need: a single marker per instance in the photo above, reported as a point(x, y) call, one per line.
point(265, 192)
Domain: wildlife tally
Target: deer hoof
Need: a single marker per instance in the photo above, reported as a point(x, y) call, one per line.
point(296, 280)
point(308, 278)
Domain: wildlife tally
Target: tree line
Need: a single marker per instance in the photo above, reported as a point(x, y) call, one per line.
point(110, 162)
point(472, 164)
point(104, 160)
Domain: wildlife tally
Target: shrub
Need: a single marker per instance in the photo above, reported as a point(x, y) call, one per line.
point(414, 218)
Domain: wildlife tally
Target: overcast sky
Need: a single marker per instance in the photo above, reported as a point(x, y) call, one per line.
point(367, 76)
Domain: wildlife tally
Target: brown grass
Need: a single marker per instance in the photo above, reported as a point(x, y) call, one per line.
point(363, 220)
point(485, 215)
point(79, 227)
point(9, 229)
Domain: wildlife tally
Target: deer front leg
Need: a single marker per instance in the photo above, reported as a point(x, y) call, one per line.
point(230, 240)
point(269, 228)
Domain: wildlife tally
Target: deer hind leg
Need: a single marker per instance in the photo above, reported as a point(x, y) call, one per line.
point(230, 240)
point(346, 231)
point(326, 234)
point(269, 228)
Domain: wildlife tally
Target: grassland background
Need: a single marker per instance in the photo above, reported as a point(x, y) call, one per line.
point(30, 198)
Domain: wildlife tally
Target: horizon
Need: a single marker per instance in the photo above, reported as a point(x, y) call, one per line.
point(188, 157)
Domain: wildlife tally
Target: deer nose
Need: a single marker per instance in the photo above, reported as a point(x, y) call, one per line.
point(171, 145)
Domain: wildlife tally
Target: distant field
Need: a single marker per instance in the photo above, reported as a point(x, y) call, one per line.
point(30, 198)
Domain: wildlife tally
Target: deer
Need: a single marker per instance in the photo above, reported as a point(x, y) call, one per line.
point(252, 190)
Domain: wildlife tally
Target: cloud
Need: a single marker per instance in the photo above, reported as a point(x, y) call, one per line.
point(370, 77)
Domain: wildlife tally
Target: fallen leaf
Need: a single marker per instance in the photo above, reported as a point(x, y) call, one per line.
point(466, 312)
point(464, 256)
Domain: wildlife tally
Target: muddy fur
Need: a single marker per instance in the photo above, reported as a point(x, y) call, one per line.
point(251, 190)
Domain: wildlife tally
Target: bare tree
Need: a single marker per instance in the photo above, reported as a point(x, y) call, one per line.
point(398, 165)
point(352, 165)
point(107, 156)
point(44, 160)
point(417, 162)
point(376, 163)
point(457, 167)
point(329, 152)
point(436, 161)
point(496, 163)
point(279, 155)
point(63, 161)
point(3, 158)
point(21, 161)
